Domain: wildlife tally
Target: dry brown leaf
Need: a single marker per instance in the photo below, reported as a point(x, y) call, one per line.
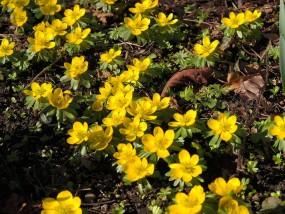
point(249, 86)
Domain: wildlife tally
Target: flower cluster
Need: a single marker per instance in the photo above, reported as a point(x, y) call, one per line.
point(6, 48)
point(19, 14)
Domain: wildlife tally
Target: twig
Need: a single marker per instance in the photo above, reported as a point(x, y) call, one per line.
point(46, 69)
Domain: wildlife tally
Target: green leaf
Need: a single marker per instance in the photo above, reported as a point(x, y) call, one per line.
point(69, 115)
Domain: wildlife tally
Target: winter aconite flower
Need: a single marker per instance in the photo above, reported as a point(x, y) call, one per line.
point(185, 120)
point(77, 36)
point(117, 117)
point(98, 138)
point(222, 188)
point(125, 153)
point(187, 168)
point(60, 99)
point(234, 21)
point(160, 103)
point(137, 24)
point(137, 169)
point(78, 66)
point(158, 142)
point(144, 6)
point(78, 133)
point(58, 27)
point(110, 55)
point(12, 4)
point(133, 128)
point(142, 108)
point(19, 17)
point(41, 41)
point(48, 7)
point(6, 48)
point(119, 100)
point(230, 206)
point(278, 129)
point(188, 204)
point(71, 16)
point(251, 16)
point(39, 91)
point(109, 1)
point(64, 203)
point(206, 48)
point(140, 65)
point(164, 20)
point(224, 126)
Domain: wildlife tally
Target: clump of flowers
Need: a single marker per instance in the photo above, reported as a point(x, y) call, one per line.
point(227, 191)
point(278, 130)
point(191, 203)
point(64, 203)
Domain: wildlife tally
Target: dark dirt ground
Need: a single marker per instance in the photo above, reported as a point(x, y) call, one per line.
point(24, 181)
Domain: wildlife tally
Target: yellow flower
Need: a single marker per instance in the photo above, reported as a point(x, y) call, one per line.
point(187, 168)
point(97, 105)
point(58, 27)
point(185, 120)
point(117, 117)
point(104, 92)
point(251, 16)
point(133, 128)
point(158, 142)
point(41, 41)
point(222, 188)
point(64, 203)
point(137, 25)
point(109, 56)
point(164, 20)
point(60, 99)
point(77, 66)
point(207, 48)
point(130, 76)
point(99, 138)
point(188, 204)
point(6, 48)
point(142, 108)
point(228, 204)
point(77, 36)
point(49, 7)
point(19, 16)
point(39, 91)
point(160, 104)
point(145, 5)
point(71, 16)
point(139, 65)
point(119, 100)
point(125, 153)
point(224, 126)
point(108, 1)
point(234, 21)
point(137, 169)
point(278, 129)
point(78, 134)
point(12, 4)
